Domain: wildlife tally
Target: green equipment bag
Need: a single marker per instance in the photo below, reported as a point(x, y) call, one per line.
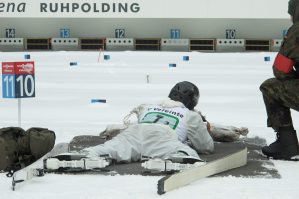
point(19, 148)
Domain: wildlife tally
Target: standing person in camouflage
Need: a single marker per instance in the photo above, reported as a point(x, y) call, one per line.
point(282, 92)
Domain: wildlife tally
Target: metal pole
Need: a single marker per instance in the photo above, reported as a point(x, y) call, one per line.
point(19, 112)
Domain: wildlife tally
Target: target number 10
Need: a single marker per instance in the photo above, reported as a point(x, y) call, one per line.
point(230, 34)
point(18, 86)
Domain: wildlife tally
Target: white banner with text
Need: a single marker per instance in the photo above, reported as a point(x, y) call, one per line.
point(144, 9)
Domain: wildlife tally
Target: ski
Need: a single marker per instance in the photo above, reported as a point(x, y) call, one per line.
point(188, 176)
point(188, 172)
point(36, 169)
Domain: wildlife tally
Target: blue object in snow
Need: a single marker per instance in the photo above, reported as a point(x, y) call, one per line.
point(186, 58)
point(73, 64)
point(98, 101)
point(267, 58)
point(106, 57)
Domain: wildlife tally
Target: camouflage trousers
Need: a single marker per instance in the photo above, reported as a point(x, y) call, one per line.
point(279, 97)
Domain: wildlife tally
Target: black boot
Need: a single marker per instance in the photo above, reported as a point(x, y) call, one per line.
point(285, 147)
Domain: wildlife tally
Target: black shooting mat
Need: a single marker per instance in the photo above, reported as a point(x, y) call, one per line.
point(257, 165)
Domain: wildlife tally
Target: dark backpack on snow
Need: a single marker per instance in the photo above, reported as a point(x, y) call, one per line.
point(19, 148)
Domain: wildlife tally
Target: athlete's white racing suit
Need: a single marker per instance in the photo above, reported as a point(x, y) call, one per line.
point(163, 129)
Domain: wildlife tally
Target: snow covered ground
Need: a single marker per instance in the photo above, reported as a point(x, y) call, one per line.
point(229, 88)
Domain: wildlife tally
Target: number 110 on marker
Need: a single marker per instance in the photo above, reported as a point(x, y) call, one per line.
point(18, 80)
